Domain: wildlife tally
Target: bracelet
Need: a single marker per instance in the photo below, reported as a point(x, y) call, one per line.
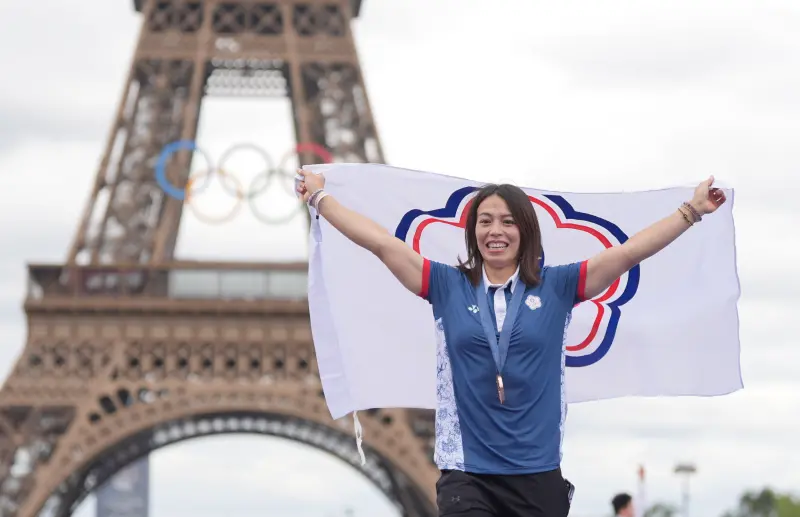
point(312, 199)
point(685, 216)
point(319, 200)
point(695, 213)
point(315, 198)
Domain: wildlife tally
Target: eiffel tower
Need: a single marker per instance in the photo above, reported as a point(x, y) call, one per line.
point(129, 349)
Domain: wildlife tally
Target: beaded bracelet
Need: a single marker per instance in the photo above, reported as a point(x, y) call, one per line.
point(690, 215)
point(695, 213)
point(685, 216)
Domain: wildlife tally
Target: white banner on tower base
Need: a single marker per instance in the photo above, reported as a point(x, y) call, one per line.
point(669, 327)
point(127, 493)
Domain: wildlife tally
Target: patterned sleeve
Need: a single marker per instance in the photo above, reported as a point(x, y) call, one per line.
point(568, 282)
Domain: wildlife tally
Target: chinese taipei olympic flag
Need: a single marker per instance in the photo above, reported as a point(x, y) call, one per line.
point(669, 327)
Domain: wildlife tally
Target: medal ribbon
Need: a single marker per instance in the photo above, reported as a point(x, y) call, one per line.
point(499, 349)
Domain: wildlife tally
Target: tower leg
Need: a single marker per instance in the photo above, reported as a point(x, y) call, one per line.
point(338, 114)
point(126, 204)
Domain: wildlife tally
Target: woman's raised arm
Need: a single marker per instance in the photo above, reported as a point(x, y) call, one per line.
point(604, 268)
point(404, 263)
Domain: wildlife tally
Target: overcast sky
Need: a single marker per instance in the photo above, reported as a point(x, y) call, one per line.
point(566, 95)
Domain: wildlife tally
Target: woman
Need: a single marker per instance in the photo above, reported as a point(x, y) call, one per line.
point(501, 320)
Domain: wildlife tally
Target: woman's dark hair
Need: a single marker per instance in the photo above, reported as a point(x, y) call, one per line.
point(530, 238)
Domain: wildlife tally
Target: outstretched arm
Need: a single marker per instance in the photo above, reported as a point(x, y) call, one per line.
point(404, 263)
point(605, 267)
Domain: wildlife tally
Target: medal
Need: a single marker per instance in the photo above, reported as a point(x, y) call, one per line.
point(501, 393)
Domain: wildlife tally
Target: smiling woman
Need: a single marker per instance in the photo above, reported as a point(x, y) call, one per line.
point(501, 399)
point(502, 219)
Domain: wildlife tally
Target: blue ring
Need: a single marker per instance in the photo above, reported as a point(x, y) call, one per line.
point(161, 173)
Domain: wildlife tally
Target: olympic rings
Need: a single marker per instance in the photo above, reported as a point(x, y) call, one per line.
point(232, 185)
point(161, 171)
point(214, 220)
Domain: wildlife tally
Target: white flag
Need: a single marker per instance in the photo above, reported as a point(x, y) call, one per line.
point(668, 327)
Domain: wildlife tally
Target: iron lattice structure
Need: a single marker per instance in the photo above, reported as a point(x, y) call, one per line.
point(128, 349)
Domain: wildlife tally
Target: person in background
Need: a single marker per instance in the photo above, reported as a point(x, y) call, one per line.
point(623, 505)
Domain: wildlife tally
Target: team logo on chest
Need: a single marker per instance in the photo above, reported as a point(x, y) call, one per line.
point(533, 302)
point(473, 309)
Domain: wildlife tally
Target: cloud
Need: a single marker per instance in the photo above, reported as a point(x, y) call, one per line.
point(66, 76)
point(654, 45)
point(21, 125)
point(565, 96)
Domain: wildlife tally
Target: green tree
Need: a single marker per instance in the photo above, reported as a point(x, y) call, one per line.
point(787, 505)
point(661, 510)
point(766, 503)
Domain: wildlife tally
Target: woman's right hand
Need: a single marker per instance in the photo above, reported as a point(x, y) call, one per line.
point(404, 263)
point(310, 184)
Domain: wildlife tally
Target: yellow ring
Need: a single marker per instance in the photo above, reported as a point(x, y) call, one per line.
point(215, 220)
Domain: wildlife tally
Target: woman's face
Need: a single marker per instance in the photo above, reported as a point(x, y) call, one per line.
point(497, 233)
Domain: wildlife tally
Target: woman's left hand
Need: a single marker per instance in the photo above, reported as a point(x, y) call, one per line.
point(707, 199)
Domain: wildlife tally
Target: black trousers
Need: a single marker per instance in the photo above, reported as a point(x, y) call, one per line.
point(463, 494)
